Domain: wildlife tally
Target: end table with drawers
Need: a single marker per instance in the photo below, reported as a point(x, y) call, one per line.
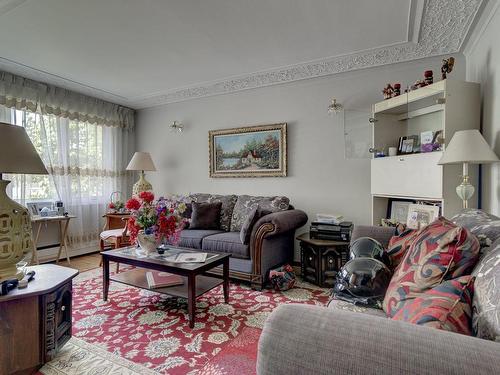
point(321, 259)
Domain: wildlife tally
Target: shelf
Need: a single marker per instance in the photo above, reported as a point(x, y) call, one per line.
point(413, 155)
point(400, 104)
point(421, 112)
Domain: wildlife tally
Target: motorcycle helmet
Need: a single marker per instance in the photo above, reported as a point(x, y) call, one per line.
point(365, 247)
point(362, 280)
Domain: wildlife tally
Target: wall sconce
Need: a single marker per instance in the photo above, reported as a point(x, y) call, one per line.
point(176, 126)
point(335, 107)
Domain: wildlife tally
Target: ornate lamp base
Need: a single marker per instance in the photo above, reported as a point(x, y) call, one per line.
point(15, 235)
point(142, 185)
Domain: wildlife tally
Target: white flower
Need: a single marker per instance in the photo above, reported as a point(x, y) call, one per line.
point(91, 321)
point(152, 317)
point(221, 309)
point(217, 338)
point(257, 320)
point(162, 347)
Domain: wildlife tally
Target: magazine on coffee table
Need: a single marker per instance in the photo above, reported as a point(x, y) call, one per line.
point(187, 257)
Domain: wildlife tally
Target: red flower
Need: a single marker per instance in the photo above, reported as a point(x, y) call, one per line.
point(111, 206)
point(133, 204)
point(147, 196)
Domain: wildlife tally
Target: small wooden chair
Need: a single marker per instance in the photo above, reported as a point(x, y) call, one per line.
point(114, 239)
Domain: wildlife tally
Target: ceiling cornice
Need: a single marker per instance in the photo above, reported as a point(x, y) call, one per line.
point(443, 28)
point(436, 27)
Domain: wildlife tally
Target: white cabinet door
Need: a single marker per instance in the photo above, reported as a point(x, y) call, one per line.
point(416, 175)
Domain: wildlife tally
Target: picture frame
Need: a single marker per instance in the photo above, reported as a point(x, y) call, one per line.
point(252, 151)
point(421, 215)
point(398, 210)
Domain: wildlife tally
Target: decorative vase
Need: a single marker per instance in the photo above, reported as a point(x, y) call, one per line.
point(15, 235)
point(147, 242)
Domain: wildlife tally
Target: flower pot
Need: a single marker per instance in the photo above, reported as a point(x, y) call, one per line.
point(147, 242)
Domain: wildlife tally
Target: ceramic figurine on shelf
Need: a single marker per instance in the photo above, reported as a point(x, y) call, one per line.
point(447, 66)
point(397, 89)
point(429, 79)
point(388, 91)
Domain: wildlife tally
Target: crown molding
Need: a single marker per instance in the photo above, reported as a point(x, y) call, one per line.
point(435, 27)
point(443, 28)
point(487, 13)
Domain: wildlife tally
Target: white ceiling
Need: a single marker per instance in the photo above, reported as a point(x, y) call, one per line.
point(149, 52)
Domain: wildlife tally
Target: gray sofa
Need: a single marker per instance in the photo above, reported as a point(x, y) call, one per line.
point(347, 339)
point(271, 241)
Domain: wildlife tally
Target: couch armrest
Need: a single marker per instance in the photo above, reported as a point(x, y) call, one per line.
point(302, 339)
point(282, 221)
point(381, 234)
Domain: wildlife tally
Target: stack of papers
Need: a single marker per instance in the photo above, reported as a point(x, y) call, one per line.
point(329, 218)
point(186, 257)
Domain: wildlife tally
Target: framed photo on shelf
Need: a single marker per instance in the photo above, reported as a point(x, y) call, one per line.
point(398, 210)
point(420, 215)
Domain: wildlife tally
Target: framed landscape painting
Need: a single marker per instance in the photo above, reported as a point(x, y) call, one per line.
point(254, 151)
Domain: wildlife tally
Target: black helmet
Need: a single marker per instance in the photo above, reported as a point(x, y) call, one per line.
point(365, 247)
point(361, 278)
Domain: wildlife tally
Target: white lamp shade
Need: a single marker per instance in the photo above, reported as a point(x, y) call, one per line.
point(141, 161)
point(468, 146)
point(17, 153)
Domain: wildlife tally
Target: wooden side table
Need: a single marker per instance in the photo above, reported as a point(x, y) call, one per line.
point(321, 259)
point(63, 222)
point(35, 322)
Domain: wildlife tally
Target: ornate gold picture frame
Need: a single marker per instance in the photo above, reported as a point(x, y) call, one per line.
point(253, 151)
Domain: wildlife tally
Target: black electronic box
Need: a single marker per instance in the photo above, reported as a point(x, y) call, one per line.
point(331, 232)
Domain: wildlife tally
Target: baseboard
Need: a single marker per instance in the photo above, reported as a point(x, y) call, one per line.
point(50, 254)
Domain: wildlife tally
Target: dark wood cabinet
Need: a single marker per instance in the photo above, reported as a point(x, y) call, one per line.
point(321, 259)
point(36, 322)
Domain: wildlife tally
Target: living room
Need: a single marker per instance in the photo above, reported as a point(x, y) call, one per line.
point(265, 126)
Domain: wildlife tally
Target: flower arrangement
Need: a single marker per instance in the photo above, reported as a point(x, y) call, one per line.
point(116, 206)
point(161, 218)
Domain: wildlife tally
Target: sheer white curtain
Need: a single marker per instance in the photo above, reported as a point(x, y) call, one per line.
point(86, 163)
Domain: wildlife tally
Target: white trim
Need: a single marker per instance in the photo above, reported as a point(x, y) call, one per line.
point(488, 13)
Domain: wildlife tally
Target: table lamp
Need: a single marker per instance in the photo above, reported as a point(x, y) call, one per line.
point(141, 161)
point(467, 147)
point(17, 155)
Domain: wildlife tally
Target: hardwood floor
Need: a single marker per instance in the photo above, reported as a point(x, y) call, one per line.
point(83, 262)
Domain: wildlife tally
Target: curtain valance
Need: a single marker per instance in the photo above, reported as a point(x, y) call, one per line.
point(26, 94)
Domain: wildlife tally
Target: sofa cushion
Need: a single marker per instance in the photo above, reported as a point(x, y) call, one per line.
point(485, 226)
point(486, 300)
point(246, 203)
point(441, 251)
point(399, 245)
point(205, 215)
point(348, 306)
point(226, 242)
point(446, 306)
point(192, 237)
point(228, 202)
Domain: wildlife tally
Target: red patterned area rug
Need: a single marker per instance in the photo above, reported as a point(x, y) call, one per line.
point(151, 329)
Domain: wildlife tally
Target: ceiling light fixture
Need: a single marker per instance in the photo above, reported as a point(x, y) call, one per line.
point(176, 127)
point(335, 107)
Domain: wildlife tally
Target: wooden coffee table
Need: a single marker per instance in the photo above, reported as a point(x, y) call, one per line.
point(196, 279)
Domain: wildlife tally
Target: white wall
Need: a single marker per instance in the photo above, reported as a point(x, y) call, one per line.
point(483, 65)
point(320, 178)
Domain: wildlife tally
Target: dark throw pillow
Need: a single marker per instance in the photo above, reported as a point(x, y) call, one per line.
point(246, 229)
point(205, 215)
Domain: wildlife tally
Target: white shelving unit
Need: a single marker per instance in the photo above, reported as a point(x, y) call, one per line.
point(446, 105)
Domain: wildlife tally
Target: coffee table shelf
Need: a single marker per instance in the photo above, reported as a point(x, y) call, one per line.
point(137, 278)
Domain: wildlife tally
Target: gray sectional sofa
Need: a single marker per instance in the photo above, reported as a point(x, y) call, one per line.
point(272, 236)
point(347, 339)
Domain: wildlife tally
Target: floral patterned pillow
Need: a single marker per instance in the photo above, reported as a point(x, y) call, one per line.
point(441, 251)
point(246, 203)
point(446, 306)
point(485, 226)
point(486, 301)
point(228, 202)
